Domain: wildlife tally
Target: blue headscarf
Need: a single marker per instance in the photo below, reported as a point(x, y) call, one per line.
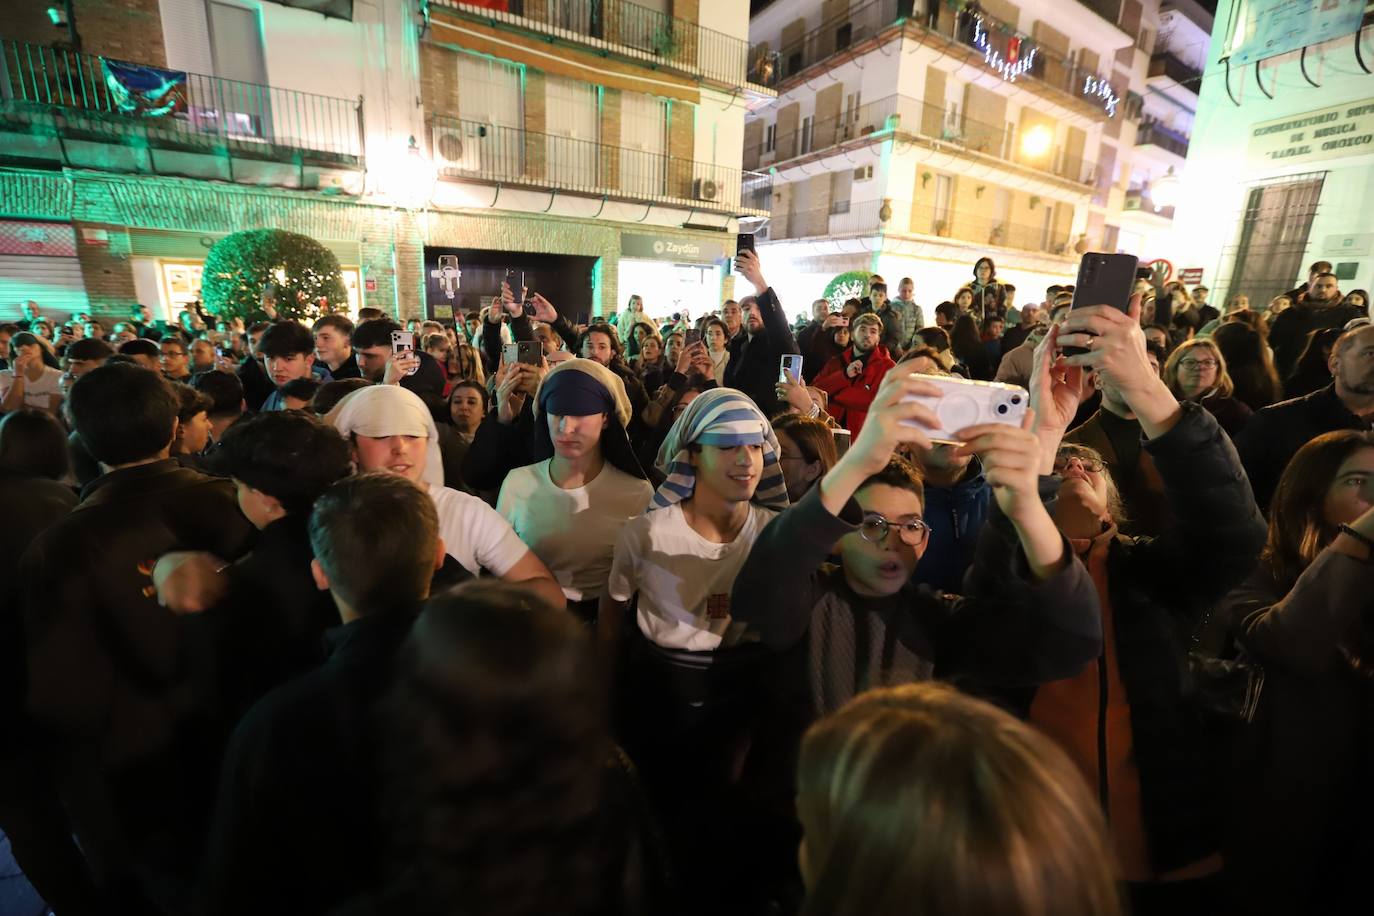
point(725, 418)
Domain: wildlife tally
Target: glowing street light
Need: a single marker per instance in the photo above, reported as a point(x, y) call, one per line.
point(1164, 191)
point(1037, 141)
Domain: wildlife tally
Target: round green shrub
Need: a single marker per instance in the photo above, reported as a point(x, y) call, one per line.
point(240, 265)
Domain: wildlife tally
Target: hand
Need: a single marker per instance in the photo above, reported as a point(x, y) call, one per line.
point(510, 398)
point(795, 394)
point(226, 364)
point(747, 262)
point(1056, 388)
point(1011, 462)
point(401, 364)
point(690, 355)
point(1157, 278)
point(1116, 347)
point(25, 361)
point(854, 369)
point(508, 302)
point(835, 320)
point(543, 309)
point(883, 428)
point(533, 375)
point(189, 582)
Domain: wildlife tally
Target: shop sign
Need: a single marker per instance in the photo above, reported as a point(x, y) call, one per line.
point(1190, 276)
point(668, 248)
point(29, 237)
point(1330, 133)
point(1273, 27)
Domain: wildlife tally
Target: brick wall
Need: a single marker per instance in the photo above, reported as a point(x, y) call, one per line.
point(106, 269)
point(681, 146)
point(610, 137)
point(123, 29)
point(535, 147)
point(439, 79)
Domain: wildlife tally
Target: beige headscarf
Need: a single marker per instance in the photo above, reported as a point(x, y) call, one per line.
point(379, 411)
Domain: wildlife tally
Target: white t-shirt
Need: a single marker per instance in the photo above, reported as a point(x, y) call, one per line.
point(36, 394)
point(572, 531)
point(683, 580)
point(474, 534)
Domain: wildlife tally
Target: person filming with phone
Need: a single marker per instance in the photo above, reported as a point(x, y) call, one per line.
point(851, 379)
point(755, 353)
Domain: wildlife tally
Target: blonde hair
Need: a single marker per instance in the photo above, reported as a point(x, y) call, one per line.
point(866, 318)
point(1224, 386)
point(919, 799)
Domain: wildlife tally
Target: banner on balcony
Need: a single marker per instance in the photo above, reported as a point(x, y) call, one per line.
point(1267, 28)
point(148, 92)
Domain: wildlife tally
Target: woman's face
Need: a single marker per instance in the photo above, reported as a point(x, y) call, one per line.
point(1279, 303)
point(636, 304)
point(983, 271)
point(674, 348)
point(1357, 300)
point(964, 299)
point(649, 349)
point(841, 337)
point(1197, 371)
point(1351, 493)
point(466, 407)
point(1081, 484)
point(797, 472)
point(715, 337)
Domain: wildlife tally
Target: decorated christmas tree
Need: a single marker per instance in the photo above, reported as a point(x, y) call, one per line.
point(851, 284)
point(300, 276)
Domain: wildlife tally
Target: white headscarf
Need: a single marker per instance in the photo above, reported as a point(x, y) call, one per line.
point(379, 411)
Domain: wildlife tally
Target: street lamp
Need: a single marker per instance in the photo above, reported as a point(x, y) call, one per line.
point(1164, 191)
point(1037, 141)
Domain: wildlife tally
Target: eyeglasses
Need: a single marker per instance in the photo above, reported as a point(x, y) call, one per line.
point(875, 527)
point(1092, 465)
point(1198, 363)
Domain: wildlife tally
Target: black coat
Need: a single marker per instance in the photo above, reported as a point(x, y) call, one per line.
point(1273, 436)
point(756, 360)
point(1288, 333)
point(297, 828)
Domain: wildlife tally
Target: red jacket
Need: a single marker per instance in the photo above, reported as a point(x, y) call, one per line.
point(850, 397)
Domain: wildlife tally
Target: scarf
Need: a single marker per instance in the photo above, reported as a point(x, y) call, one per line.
point(379, 411)
point(726, 418)
point(579, 388)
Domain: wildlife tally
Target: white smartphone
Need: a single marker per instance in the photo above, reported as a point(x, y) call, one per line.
point(403, 341)
point(790, 368)
point(964, 403)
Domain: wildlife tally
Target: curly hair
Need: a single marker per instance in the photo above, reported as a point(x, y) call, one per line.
point(497, 750)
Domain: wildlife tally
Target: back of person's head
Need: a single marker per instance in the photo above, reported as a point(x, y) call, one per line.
point(948, 311)
point(190, 401)
point(123, 413)
point(965, 339)
point(286, 339)
point(497, 753)
point(921, 352)
point(301, 389)
point(934, 338)
point(898, 473)
point(89, 348)
point(375, 332)
point(370, 314)
point(376, 538)
point(338, 323)
point(332, 392)
point(920, 799)
point(290, 456)
point(33, 443)
point(1298, 526)
point(224, 389)
point(140, 346)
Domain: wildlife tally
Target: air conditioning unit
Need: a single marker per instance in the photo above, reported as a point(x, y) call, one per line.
point(705, 189)
point(458, 146)
point(863, 173)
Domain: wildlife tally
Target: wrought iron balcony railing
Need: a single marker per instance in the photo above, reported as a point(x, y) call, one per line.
point(102, 97)
point(627, 29)
point(511, 155)
point(1165, 64)
point(1153, 133)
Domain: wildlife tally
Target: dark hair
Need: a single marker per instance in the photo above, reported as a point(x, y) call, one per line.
point(1248, 361)
point(947, 310)
point(497, 752)
point(123, 413)
point(328, 395)
point(89, 348)
point(285, 339)
point(375, 536)
point(139, 346)
point(965, 339)
point(302, 389)
point(1327, 273)
point(33, 443)
point(368, 313)
point(1312, 369)
point(1319, 267)
point(174, 341)
point(190, 401)
point(286, 454)
point(339, 323)
point(992, 268)
point(375, 332)
point(715, 321)
point(257, 326)
point(935, 338)
point(1297, 527)
point(901, 474)
point(1011, 288)
point(917, 352)
point(224, 389)
point(600, 327)
point(812, 437)
point(1161, 356)
point(474, 385)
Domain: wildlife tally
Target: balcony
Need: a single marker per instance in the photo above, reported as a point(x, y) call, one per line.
point(919, 220)
point(1154, 133)
point(74, 107)
point(910, 119)
point(489, 153)
point(1109, 10)
point(1138, 201)
point(627, 30)
point(1166, 65)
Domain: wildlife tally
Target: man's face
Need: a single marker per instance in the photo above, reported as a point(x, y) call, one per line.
point(881, 569)
point(996, 329)
point(942, 321)
point(576, 437)
point(1030, 316)
point(732, 316)
point(143, 314)
point(256, 506)
point(372, 361)
point(283, 369)
point(202, 356)
point(472, 325)
point(1353, 364)
point(195, 434)
point(403, 456)
point(174, 359)
point(754, 319)
point(331, 345)
point(79, 367)
point(879, 297)
point(819, 309)
point(1199, 296)
point(597, 346)
point(865, 337)
point(253, 339)
point(1323, 290)
point(983, 271)
point(95, 330)
point(466, 409)
point(31, 311)
point(943, 457)
point(730, 473)
point(906, 291)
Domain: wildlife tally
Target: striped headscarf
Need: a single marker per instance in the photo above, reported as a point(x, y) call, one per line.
point(726, 418)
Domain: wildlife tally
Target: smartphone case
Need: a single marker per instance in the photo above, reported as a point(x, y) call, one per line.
point(1104, 279)
point(966, 403)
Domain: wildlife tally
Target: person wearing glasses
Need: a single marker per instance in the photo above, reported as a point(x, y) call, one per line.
point(1196, 371)
point(1031, 612)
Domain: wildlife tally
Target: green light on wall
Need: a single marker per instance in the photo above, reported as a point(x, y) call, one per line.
point(596, 286)
point(57, 17)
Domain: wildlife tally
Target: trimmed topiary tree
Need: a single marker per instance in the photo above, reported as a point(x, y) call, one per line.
point(852, 284)
point(240, 265)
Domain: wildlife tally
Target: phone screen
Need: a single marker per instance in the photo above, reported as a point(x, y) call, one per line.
point(790, 368)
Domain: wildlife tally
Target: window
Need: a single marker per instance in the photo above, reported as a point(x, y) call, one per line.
point(863, 173)
point(770, 138)
point(944, 197)
point(1047, 228)
point(843, 36)
point(808, 123)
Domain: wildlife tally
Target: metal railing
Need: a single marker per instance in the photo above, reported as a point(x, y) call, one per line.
point(204, 110)
point(1109, 10)
point(1138, 199)
point(918, 219)
point(915, 119)
point(1165, 64)
point(974, 29)
point(513, 155)
point(628, 29)
point(1153, 133)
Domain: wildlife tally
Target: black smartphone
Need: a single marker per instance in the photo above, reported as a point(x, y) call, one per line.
point(744, 241)
point(692, 336)
point(1104, 279)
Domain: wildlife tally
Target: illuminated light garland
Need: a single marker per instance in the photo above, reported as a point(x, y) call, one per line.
point(1099, 88)
point(1011, 66)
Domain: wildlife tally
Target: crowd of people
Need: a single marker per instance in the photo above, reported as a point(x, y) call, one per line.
point(529, 617)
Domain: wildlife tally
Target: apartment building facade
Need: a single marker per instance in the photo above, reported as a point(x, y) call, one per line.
point(581, 143)
point(911, 137)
